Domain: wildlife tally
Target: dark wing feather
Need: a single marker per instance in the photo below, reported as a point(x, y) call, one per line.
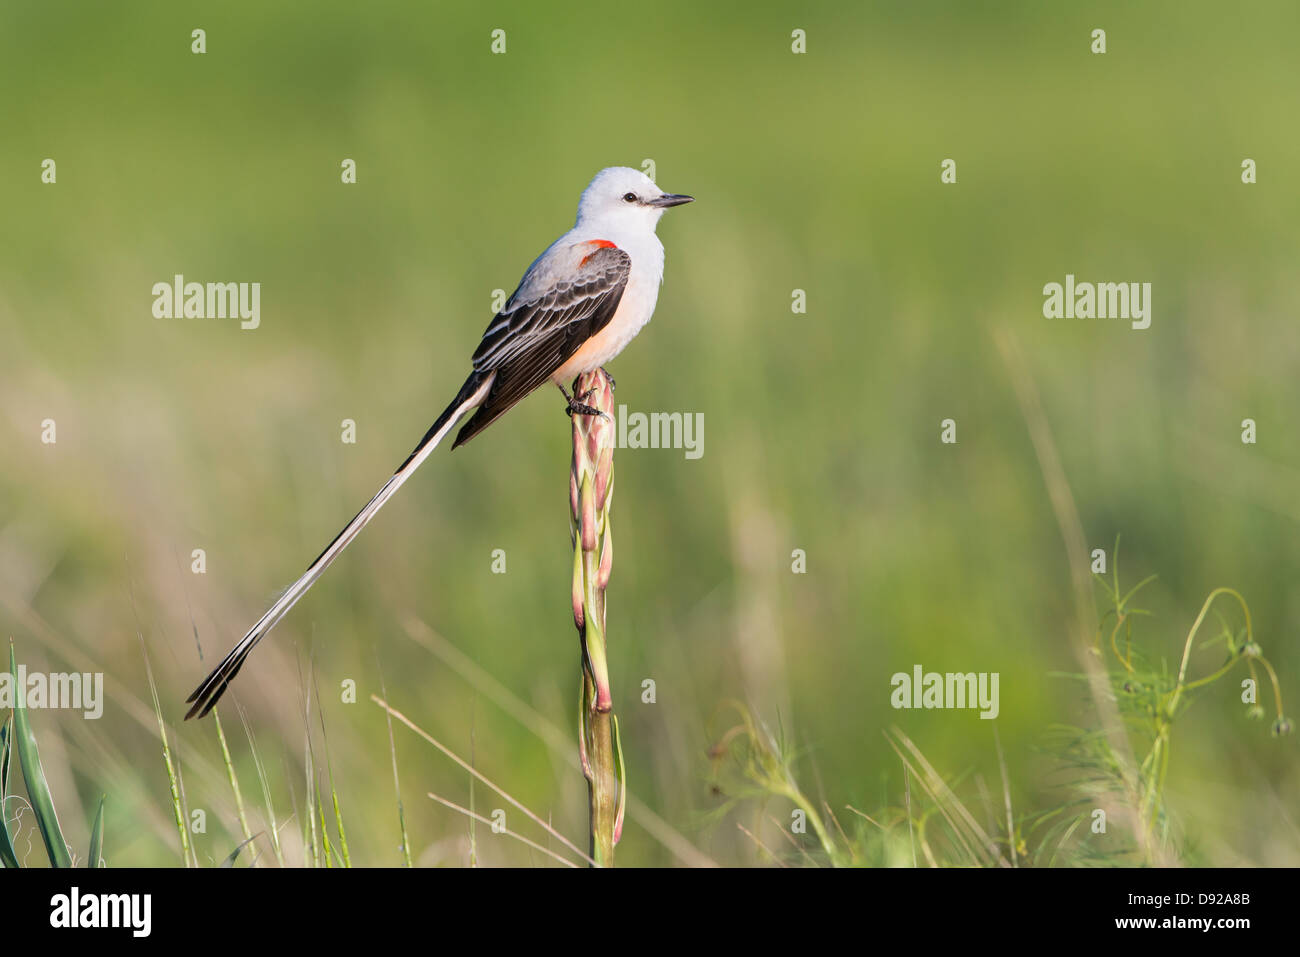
point(529, 340)
point(529, 318)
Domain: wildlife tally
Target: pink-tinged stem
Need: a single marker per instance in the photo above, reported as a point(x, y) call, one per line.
point(591, 486)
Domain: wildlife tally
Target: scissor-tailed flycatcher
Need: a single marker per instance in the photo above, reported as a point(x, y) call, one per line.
point(578, 305)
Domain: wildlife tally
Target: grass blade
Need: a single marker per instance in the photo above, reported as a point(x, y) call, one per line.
point(508, 833)
point(310, 836)
point(4, 756)
point(97, 836)
point(338, 820)
point(326, 848)
point(187, 855)
point(234, 780)
point(38, 790)
point(342, 849)
point(397, 787)
point(8, 857)
point(464, 766)
point(230, 858)
point(266, 789)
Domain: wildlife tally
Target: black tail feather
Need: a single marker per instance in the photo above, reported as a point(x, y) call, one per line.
point(207, 694)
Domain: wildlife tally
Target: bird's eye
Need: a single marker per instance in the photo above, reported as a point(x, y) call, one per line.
point(629, 197)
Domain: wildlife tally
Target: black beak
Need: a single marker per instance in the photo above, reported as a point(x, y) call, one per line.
point(671, 199)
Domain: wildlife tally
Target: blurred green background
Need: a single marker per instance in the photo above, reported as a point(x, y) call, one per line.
point(818, 172)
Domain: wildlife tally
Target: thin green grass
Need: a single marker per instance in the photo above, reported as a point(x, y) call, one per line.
point(8, 855)
point(229, 860)
point(17, 732)
point(344, 855)
point(479, 776)
point(268, 805)
point(188, 855)
point(38, 789)
point(750, 764)
point(397, 786)
point(96, 853)
point(234, 779)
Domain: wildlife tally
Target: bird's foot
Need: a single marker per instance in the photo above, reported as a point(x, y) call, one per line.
point(580, 408)
point(574, 404)
point(612, 385)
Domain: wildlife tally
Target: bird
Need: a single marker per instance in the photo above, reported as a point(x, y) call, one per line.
point(576, 307)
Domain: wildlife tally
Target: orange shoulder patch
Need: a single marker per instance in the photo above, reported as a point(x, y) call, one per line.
point(599, 244)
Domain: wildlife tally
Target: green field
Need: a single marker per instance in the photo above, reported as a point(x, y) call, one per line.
point(818, 172)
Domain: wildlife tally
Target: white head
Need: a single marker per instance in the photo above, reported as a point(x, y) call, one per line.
point(625, 198)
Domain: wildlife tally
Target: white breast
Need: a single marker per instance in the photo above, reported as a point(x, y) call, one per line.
point(634, 309)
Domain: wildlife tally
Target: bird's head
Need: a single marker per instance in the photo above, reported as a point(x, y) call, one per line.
point(622, 196)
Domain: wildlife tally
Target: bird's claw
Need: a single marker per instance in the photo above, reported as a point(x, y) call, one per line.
point(575, 404)
point(576, 407)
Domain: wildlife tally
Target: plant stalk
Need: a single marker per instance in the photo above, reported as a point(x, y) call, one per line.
point(591, 491)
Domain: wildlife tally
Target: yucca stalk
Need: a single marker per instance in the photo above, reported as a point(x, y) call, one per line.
point(591, 490)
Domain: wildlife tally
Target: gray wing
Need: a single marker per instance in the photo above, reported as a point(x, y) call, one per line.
point(531, 316)
point(536, 333)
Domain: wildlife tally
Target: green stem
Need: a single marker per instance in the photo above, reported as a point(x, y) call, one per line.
point(591, 492)
point(1196, 625)
point(234, 780)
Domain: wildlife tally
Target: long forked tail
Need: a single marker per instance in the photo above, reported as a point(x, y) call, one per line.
point(472, 393)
